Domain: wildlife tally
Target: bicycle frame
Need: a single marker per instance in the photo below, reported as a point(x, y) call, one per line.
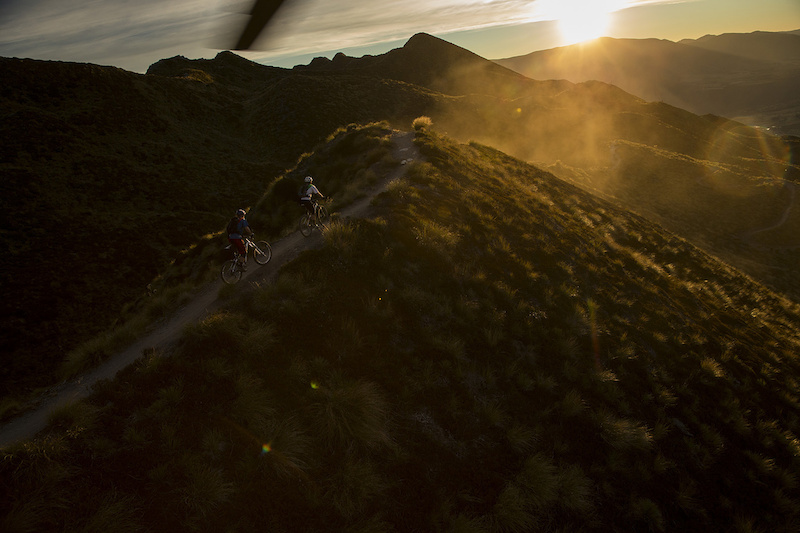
point(318, 204)
point(248, 243)
point(232, 269)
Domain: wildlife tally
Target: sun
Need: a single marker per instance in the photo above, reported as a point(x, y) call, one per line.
point(579, 20)
point(583, 26)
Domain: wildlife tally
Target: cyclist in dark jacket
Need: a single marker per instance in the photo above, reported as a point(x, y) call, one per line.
point(237, 228)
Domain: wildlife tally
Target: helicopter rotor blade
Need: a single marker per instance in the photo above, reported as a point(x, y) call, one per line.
point(260, 15)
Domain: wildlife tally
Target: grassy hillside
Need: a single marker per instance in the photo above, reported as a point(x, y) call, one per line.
point(107, 176)
point(694, 174)
point(110, 176)
point(498, 351)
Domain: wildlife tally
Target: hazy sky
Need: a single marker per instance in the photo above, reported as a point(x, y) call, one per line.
point(133, 34)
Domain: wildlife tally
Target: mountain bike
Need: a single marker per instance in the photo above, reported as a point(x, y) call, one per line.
point(232, 270)
point(310, 221)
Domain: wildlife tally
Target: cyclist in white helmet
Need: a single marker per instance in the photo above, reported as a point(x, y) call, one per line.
point(308, 193)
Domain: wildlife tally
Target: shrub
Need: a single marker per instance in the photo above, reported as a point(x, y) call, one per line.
point(422, 123)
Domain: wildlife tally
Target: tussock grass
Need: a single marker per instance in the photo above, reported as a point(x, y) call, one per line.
point(339, 235)
point(354, 487)
point(206, 490)
point(73, 417)
point(115, 512)
point(422, 123)
point(350, 413)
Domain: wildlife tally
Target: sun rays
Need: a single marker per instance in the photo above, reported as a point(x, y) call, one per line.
point(580, 20)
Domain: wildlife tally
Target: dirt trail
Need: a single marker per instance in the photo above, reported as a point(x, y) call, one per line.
point(748, 236)
point(202, 304)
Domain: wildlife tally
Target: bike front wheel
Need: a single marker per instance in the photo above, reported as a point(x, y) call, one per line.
point(231, 273)
point(322, 214)
point(306, 225)
point(262, 252)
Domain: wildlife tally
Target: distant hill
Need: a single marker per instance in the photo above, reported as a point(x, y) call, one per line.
point(436, 65)
point(758, 45)
point(749, 77)
point(110, 175)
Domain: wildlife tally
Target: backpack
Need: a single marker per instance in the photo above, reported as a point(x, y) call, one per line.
point(233, 226)
point(303, 191)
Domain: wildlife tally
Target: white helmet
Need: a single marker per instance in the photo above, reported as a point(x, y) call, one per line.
point(309, 179)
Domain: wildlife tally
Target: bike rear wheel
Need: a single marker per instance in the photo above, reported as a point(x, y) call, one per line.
point(306, 225)
point(231, 273)
point(262, 252)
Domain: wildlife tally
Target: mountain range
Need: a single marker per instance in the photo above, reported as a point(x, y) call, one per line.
point(110, 175)
point(750, 77)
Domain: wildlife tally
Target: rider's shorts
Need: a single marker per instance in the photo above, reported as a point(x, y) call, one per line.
point(239, 244)
point(309, 204)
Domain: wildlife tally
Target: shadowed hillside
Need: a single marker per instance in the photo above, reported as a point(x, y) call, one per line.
point(109, 176)
point(469, 360)
point(748, 77)
point(106, 176)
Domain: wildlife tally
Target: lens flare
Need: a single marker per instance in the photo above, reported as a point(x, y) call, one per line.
point(579, 20)
point(768, 159)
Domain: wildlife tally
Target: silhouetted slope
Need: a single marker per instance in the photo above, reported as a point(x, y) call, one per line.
point(436, 64)
point(497, 351)
point(226, 69)
point(107, 174)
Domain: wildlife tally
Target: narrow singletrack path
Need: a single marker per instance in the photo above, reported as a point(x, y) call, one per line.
point(202, 304)
point(748, 236)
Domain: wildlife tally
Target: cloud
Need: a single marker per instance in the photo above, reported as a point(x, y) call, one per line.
point(306, 26)
point(321, 25)
point(104, 31)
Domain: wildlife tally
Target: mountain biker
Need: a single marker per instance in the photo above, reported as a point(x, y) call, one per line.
point(307, 193)
point(237, 228)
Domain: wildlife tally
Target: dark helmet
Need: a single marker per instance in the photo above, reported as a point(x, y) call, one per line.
point(240, 213)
